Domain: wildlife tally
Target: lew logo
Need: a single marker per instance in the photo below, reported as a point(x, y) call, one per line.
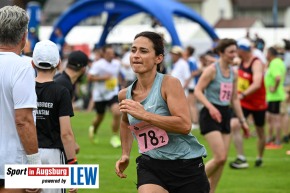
point(52, 176)
point(83, 175)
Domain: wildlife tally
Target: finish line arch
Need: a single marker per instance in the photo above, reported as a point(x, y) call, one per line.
point(119, 10)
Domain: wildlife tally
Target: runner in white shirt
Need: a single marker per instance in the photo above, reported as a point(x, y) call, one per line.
point(18, 139)
point(105, 74)
point(129, 74)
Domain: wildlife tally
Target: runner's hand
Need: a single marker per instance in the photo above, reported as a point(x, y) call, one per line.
point(246, 129)
point(133, 108)
point(73, 190)
point(77, 148)
point(215, 114)
point(121, 166)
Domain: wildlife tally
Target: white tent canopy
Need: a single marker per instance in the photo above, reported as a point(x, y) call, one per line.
point(120, 34)
point(271, 36)
point(190, 34)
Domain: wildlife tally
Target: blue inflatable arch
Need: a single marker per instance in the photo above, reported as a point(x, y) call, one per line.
point(118, 10)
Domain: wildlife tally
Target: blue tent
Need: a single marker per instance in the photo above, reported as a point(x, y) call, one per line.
point(118, 10)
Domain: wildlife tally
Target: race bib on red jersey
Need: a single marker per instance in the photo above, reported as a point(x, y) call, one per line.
point(149, 136)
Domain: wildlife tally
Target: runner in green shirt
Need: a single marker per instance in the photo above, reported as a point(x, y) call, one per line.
point(275, 94)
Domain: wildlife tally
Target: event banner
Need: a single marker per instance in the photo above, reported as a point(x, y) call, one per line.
point(52, 176)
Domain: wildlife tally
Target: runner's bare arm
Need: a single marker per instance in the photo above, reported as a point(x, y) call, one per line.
point(206, 77)
point(26, 130)
point(126, 141)
point(96, 78)
point(125, 133)
point(277, 82)
point(258, 70)
point(238, 109)
point(236, 101)
point(67, 137)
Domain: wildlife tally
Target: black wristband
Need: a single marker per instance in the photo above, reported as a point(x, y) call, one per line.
point(72, 161)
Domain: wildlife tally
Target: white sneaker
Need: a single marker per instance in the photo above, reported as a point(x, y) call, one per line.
point(239, 164)
point(115, 141)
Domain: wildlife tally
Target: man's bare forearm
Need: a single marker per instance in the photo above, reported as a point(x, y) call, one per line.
point(26, 130)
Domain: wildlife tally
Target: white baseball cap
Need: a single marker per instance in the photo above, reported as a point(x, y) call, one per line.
point(45, 55)
point(244, 44)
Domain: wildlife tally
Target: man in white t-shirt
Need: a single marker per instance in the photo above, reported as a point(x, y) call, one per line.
point(105, 74)
point(126, 69)
point(180, 67)
point(18, 139)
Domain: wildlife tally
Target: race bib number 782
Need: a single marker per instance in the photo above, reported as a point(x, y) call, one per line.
point(148, 136)
point(226, 91)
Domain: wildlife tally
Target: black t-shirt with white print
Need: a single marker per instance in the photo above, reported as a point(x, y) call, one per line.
point(53, 101)
point(64, 80)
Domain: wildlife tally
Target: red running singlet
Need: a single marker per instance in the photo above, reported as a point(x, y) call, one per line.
point(257, 100)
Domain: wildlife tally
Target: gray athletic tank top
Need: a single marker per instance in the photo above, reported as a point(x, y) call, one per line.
point(179, 146)
point(219, 90)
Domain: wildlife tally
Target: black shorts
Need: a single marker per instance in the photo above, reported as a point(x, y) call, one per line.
point(2, 182)
point(232, 113)
point(176, 176)
point(208, 124)
point(274, 107)
point(100, 106)
point(258, 116)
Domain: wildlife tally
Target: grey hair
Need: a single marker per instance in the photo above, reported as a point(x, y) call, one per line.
point(14, 23)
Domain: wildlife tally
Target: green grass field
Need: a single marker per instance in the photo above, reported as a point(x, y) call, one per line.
point(272, 177)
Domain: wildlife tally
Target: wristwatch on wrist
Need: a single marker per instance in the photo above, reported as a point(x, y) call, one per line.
point(243, 94)
point(242, 120)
